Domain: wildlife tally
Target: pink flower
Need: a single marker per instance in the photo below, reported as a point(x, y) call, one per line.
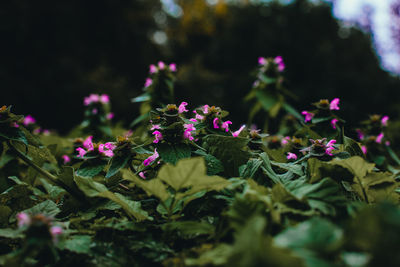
point(360, 134)
point(23, 219)
point(172, 67)
point(387, 143)
point(150, 159)
point(379, 138)
point(384, 120)
point(45, 132)
point(279, 61)
point(182, 107)
point(81, 152)
point(193, 120)
point(66, 159)
point(333, 123)
point(29, 120)
point(334, 105)
point(88, 143)
point(107, 149)
point(291, 156)
point(104, 99)
point(199, 117)
point(110, 116)
point(94, 111)
point(55, 231)
point(155, 127)
point(158, 136)
point(37, 131)
point(205, 109)
point(15, 125)
point(148, 82)
point(236, 134)
point(285, 140)
point(152, 69)
point(262, 61)
point(308, 115)
point(225, 125)
point(331, 143)
point(92, 98)
point(188, 131)
point(329, 147)
point(364, 149)
point(142, 175)
point(215, 123)
point(161, 65)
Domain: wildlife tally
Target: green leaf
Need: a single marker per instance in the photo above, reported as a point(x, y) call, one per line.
point(229, 150)
point(250, 169)
point(356, 165)
point(214, 165)
point(77, 243)
point(12, 133)
point(189, 229)
point(173, 153)
point(267, 100)
point(91, 167)
point(11, 233)
point(293, 111)
point(117, 163)
point(142, 98)
point(352, 147)
point(47, 207)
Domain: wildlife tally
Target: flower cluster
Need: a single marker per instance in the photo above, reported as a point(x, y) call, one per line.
point(373, 133)
point(276, 62)
point(96, 103)
point(102, 149)
point(320, 147)
point(39, 220)
point(161, 66)
point(324, 107)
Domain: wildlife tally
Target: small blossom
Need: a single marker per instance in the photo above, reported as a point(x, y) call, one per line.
point(285, 140)
point(110, 116)
point(262, 61)
point(29, 120)
point(155, 127)
point(215, 123)
point(55, 231)
point(107, 149)
point(45, 132)
point(37, 130)
point(334, 105)
point(158, 136)
point(360, 134)
point(172, 67)
point(279, 61)
point(23, 219)
point(225, 125)
point(188, 131)
point(387, 143)
point(379, 138)
point(94, 111)
point(88, 143)
point(384, 120)
point(142, 175)
point(152, 69)
point(15, 125)
point(81, 152)
point(291, 156)
point(105, 99)
point(150, 159)
point(66, 159)
point(330, 147)
point(333, 123)
point(364, 149)
point(161, 65)
point(199, 117)
point(236, 134)
point(148, 82)
point(182, 107)
point(205, 109)
point(193, 120)
point(308, 115)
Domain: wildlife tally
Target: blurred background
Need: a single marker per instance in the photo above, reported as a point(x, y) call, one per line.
point(53, 53)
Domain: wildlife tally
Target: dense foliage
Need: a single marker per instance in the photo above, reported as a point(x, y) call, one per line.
point(184, 187)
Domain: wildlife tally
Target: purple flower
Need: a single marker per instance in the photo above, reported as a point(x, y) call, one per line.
point(81, 152)
point(182, 107)
point(152, 69)
point(334, 105)
point(23, 219)
point(142, 175)
point(106, 151)
point(330, 146)
point(225, 125)
point(384, 120)
point(172, 67)
point(148, 82)
point(333, 123)
point(155, 127)
point(236, 134)
point(364, 149)
point(66, 158)
point(161, 65)
point(94, 111)
point(15, 125)
point(285, 140)
point(291, 156)
point(379, 138)
point(158, 136)
point(205, 109)
point(279, 61)
point(110, 116)
point(262, 61)
point(215, 123)
point(55, 231)
point(29, 120)
point(360, 134)
point(88, 143)
point(105, 99)
point(189, 127)
point(308, 115)
point(150, 159)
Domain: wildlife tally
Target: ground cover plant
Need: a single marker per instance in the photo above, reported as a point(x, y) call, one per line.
point(185, 186)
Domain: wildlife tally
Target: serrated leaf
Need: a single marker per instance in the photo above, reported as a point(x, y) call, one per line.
point(77, 243)
point(91, 168)
point(47, 207)
point(117, 163)
point(356, 165)
point(173, 153)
